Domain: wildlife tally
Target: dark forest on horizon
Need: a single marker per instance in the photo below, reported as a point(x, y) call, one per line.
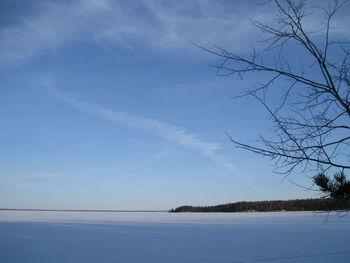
point(321, 204)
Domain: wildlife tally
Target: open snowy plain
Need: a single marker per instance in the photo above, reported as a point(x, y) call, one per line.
point(39, 236)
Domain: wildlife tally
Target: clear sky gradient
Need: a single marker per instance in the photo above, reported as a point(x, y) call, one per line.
point(107, 105)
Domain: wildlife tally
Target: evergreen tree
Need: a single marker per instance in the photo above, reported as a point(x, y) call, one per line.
point(338, 187)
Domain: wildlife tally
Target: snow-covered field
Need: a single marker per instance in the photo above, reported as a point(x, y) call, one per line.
point(162, 237)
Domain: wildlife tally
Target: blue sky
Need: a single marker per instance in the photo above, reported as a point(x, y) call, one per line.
point(107, 105)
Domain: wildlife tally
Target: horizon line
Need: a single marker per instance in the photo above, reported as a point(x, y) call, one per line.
point(80, 210)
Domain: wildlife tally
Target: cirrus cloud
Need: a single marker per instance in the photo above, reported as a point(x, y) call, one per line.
point(156, 127)
point(163, 25)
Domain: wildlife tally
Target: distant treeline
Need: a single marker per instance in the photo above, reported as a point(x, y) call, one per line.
point(328, 204)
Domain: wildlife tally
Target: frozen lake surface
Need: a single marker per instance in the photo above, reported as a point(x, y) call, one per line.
point(39, 236)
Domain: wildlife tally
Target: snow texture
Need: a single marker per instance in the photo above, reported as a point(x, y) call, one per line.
point(47, 236)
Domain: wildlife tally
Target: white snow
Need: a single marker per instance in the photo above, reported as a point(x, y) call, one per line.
point(47, 236)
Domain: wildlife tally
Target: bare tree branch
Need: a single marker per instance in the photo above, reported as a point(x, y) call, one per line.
point(311, 124)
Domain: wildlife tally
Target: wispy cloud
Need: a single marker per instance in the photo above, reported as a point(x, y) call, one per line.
point(164, 25)
point(114, 24)
point(45, 176)
point(11, 179)
point(162, 154)
point(161, 129)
